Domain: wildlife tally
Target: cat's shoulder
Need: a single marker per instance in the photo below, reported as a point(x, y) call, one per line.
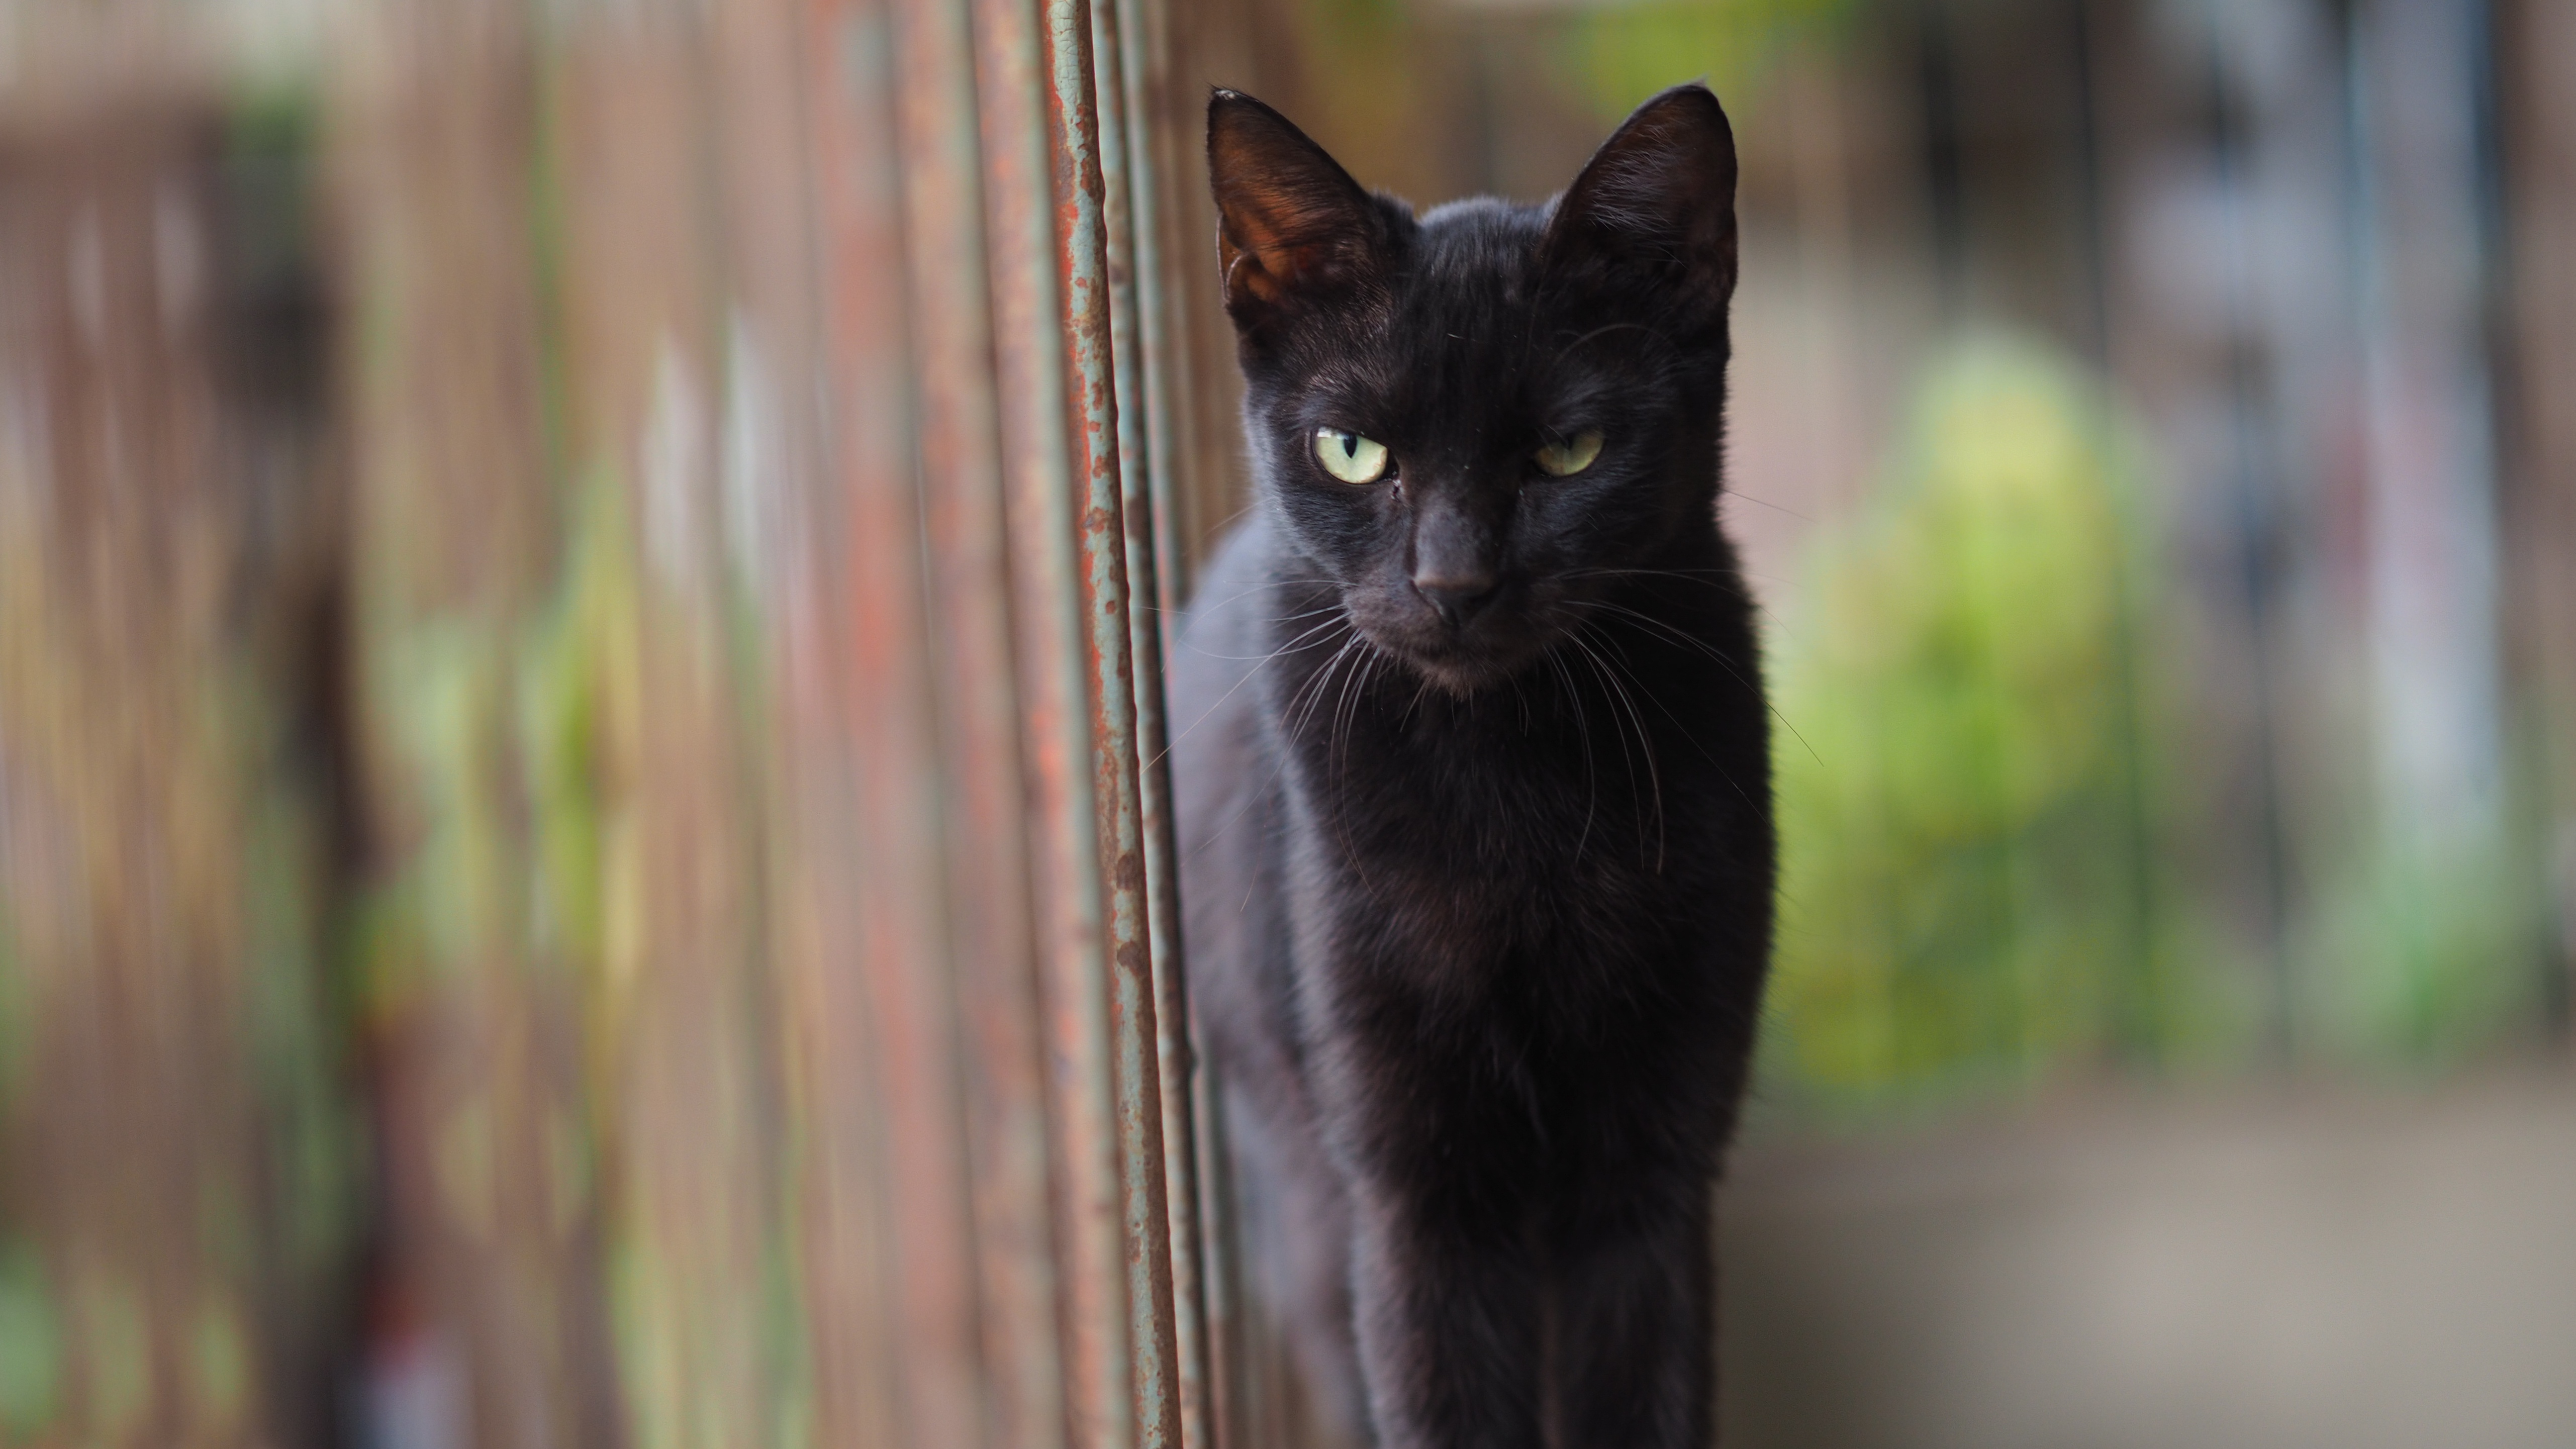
point(1226, 606)
point(1223, 632)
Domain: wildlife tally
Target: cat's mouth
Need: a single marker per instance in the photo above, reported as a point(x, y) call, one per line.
point(1461, 658)
point(1463, 678)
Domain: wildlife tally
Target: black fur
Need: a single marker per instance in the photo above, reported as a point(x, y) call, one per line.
point(1479, 898)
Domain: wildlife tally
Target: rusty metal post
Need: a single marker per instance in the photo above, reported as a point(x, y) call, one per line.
point(1003, 1055)
point(1052, 345)
point(867, 146)
point(1148, 109)
point(1082, 261)
point(1124, 52)
point(1180, 474)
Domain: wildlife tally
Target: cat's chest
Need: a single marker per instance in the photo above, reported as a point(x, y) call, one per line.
point(1467, 856)
point(1521, 784)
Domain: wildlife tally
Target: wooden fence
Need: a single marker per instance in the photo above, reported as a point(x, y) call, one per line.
point(583, 844)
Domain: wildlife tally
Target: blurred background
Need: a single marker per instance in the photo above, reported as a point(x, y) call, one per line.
point(516, 699)
point(2149, 449)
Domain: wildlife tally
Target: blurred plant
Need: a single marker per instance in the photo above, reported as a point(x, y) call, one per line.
point(1985, 817)
point(1620, 54)
point(1404, 91)
point(2415, 953)
point(1970, 879)
point(30, 1344)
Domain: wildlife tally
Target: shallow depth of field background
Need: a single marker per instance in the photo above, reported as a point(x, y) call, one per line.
point(2150, 448)
point(2153, 445)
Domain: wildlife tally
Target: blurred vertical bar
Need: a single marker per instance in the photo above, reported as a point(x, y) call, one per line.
point(490, 1320)
point(1003, 1056)
point(971, 590)
point(667, 455)
point(869, 173)
point(2535, 319)
point(1106, 352)
point(1196, 492)
point(1143, 220)
point(1203, 488)
point(1040, 482)
point(174, 1200)
point(1130, 71)
point(785, 478)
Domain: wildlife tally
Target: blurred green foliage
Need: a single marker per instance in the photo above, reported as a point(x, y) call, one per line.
point(30, 1343)
point(2414, 953)
point(1972, 889)
point(1992, 826)
point(1620, 54)
point(300, 1050)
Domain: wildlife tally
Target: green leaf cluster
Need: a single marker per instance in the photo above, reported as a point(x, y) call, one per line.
point(1970, 880)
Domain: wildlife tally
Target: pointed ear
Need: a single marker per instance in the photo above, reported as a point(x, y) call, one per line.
point(1656, 205)
point(1291, 223)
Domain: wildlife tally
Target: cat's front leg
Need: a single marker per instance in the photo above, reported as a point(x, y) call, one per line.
point(1446, 1295)
point(1634, 1270)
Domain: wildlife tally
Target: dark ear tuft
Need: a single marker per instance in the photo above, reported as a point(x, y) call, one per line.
point(1291, 222)
point(1656, 204)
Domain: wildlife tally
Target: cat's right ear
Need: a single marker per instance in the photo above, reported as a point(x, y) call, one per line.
point(1657, 201)
point(1291, 223)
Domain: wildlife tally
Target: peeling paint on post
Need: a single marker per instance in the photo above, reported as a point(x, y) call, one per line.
point(1082, 262)
point(1121, 50)
point(1033, 204)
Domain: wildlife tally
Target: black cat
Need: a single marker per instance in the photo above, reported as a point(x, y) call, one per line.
point(1474, 786)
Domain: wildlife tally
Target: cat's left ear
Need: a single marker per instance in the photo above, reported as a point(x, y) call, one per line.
point(1656, 204)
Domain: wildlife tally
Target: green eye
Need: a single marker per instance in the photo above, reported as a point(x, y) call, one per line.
point(1564, 460)
point(1350, 457)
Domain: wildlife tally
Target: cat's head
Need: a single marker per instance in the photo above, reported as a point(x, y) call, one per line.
point(1475, 421)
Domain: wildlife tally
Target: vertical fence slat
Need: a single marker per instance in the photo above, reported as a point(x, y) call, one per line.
point(2536, 46)
point(895, 875)
point(490, 1313)
point(1150, 109)
point(775, 482)
point(1092, 367)
point(1190, 352)
point(170, 1185)
point(682, 1079)
point(1042, 487)
point(986, 844)
point(1122, 52)
point(857, 1282)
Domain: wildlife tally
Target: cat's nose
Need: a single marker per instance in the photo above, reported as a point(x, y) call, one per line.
point(1457, 593)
